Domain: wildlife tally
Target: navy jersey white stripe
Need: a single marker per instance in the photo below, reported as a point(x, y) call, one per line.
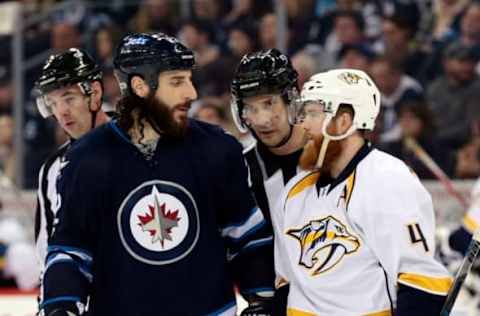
point(268, 174)
point(47, 201)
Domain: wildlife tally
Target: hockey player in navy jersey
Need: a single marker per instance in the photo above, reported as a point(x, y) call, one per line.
point(70, 90)
point(265, 83)
point(355, 231)
point(156, 216)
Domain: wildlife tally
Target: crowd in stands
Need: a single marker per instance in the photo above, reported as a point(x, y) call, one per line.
point(423, 56)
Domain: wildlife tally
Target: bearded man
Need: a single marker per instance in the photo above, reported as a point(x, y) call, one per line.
point(355, 232)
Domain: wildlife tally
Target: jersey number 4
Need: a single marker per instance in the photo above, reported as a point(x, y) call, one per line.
point(416, 235)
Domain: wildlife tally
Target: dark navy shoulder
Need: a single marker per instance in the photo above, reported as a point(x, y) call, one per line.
point(212, 135)
point(94, 145)
point(58, 153)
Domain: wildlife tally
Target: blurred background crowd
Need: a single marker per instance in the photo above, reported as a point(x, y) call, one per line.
point(423, 54)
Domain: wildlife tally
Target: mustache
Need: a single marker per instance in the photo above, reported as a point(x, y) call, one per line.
point(309, 157)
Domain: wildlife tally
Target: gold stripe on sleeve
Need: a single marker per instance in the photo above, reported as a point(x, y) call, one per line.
point(382, 313)
point(470, 224)
point(297, 312)
point(438, 286)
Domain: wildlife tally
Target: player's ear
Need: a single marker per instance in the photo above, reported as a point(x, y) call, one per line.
point(139, 86)
point(96, 96)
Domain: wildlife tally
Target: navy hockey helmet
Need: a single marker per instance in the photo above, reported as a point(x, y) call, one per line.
point(75, 66)
point(148, 54)
point(264, 72)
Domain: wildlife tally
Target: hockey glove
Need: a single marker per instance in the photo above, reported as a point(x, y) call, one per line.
point(258, 307)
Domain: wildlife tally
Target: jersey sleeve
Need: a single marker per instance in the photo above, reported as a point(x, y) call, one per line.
point(471, 220)
point(246, 233)
point(68, 267)
point(399, 226)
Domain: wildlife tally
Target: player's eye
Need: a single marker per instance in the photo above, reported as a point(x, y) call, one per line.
point(176, 83)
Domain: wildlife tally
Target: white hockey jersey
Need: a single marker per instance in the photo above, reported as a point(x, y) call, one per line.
point(471, 220)
point(343, 246)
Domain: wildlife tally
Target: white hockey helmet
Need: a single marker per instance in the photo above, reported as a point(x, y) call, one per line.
point(342, 87)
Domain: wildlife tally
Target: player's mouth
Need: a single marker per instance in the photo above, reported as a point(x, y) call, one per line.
point(266, 134)
point(183, 108)
point(69, 123)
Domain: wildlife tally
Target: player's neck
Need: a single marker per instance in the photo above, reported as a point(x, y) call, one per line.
point(101, 118)
point(350, 148)
point(297, 140)
point(142, 130)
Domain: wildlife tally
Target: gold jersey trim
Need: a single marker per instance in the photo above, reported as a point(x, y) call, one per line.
point(297, 312)
point(350, 185)
point(306, 182)
point(470, 224)
point(437, 286)
point(382, 313)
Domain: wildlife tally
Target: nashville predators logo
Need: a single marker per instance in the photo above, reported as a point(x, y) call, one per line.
point(323, 244)
point(350, 77)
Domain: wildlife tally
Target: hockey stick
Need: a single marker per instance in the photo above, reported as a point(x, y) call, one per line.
point(470, 256)
point(425, 158)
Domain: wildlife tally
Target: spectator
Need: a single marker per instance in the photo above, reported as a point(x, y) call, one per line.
point(64, 36)
point(445, 15)
point(154, 15)
point(7, 155)
point(469, 35)
point(348, 29)
point(210, 112)
point(241, 41)
point(417, 122)
point(454, 96)
point(267, 31)
point(198, 37)
point(356, 57)
point(396, 88)
point(305, 65)
point(6, 92)
point(398, 43)
point(107, 39)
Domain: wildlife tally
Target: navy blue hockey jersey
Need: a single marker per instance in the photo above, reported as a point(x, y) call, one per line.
point(166, 236)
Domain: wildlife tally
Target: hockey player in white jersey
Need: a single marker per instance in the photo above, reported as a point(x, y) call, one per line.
point(355, 234)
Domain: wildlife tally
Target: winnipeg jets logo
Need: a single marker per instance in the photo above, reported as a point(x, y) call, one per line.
point(323, 244)
point(158, 222)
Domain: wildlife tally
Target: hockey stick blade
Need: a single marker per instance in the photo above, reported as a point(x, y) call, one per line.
point(470, 256)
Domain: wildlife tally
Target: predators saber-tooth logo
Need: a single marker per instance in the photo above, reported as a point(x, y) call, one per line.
point(350, 77)
point(323, 244)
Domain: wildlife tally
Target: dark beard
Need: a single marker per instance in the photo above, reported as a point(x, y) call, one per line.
point(309, 157)
point(160, 116)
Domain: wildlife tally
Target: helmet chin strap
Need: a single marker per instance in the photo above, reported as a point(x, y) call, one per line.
point(327, 138)
point(285, 139)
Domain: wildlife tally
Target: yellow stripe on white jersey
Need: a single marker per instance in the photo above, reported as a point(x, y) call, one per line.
point(470, 224)
point(382, 313)
point(297, 312)
point(304, 183)
point(438, 286)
